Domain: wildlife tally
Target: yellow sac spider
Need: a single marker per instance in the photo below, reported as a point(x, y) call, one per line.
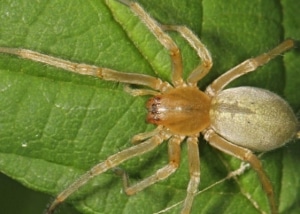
point(237, 121)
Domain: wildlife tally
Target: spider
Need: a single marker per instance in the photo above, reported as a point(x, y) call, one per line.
point(237, 121)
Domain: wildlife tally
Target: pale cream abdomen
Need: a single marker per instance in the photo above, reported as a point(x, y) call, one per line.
point(253, 118)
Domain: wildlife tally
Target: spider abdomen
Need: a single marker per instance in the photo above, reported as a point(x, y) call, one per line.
point(253, 118)
point(184, 110)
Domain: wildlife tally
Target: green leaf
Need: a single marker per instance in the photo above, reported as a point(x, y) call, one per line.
point(55, 125)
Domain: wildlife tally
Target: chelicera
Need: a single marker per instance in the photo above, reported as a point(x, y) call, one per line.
point(237, 121)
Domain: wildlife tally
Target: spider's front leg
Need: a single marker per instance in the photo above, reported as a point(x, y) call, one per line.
point(158, 30)
point(163, 38)
point(111, 162)
point(91, 70)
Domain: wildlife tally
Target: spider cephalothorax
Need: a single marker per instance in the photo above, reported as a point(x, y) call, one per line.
point(180, 110)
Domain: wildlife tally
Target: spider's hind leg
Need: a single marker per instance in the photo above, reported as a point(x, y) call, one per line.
point(247, 66)
point(244, 154)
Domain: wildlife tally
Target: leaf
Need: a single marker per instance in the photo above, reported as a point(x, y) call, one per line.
point(55, 125)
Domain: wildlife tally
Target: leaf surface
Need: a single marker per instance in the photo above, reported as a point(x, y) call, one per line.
point(55, 125)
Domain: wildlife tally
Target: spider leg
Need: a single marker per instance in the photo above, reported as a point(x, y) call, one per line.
point(80, 68)
point(139, 92)
point(111, 162)
point(245, 155)
point(161, 174)
point(143, 136)
point(163, 38)
point(247, 66)
point(206, 61)
point(194, 167)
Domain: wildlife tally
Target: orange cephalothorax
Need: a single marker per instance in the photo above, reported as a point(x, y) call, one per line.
point(184, 111)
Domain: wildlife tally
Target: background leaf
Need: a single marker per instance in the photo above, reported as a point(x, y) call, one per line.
point(55, 125)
